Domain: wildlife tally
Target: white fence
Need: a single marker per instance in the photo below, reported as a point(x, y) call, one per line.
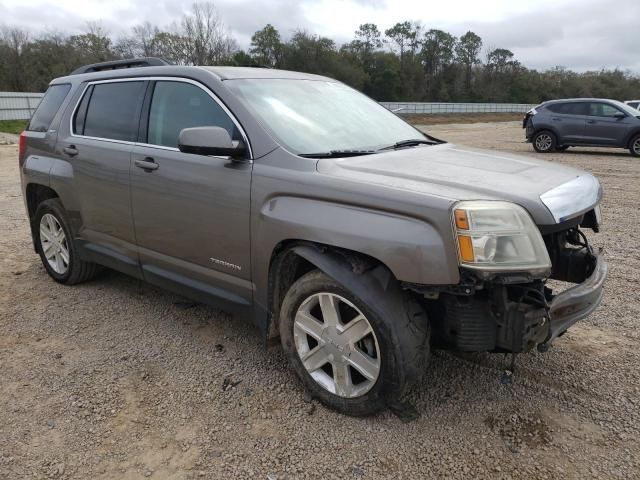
point(440, 108)
point(18, 105)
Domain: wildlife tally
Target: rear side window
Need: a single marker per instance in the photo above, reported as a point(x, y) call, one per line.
point(113, 111)
point(49, 106)
point(573, 108)
point(178, 105)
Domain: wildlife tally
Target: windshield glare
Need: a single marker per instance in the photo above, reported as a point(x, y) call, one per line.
point(312, 116)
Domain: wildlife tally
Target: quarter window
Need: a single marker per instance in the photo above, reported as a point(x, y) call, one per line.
point(113, 111)
point(178, 105)
point(49, 106)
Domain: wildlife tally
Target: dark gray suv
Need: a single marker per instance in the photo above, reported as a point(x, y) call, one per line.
point(350, 237)
point(588, 122)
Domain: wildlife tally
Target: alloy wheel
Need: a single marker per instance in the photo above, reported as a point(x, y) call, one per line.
point(53, 242)
point(543, 142)
point(337, 345)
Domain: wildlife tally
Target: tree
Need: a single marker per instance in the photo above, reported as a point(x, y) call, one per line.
point(403, 35)
point(438, 50)
point(467, 51)
point(500, 59)
point(14, 42)
point(266, 47)
point(206, 40)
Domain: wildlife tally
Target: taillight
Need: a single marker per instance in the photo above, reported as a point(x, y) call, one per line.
point(22, 145)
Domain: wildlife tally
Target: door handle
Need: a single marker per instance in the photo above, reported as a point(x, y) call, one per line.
point(71, 150)
point(591, 121)
point(148, 164)
point(556, 119)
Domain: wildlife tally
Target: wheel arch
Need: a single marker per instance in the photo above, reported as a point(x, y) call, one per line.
point(291, 259)
point(631, 136)
point(35, 194)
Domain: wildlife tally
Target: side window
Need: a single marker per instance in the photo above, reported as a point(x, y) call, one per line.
point(81, 112)
point(113, 110)
point(557, 108)
point(602, 110)
point(574, 108)
point(178, 105)
point(43, 116)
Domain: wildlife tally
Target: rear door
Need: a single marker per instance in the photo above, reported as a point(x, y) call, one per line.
point(104, 127)
point(568, 121)
point(604, 128)
point(191, 212)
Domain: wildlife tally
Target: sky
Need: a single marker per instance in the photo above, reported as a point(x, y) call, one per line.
point(578, 34)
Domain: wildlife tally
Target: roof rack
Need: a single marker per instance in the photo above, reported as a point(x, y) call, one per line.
point(117, 64)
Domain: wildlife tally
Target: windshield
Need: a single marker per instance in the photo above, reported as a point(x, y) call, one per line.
point(310, 116)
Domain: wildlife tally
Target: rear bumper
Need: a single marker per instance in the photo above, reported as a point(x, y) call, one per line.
point(577, 302)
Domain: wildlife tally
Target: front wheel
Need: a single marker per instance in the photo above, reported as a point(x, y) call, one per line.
point(544, 142)
point(347, 355)
point(634, 146)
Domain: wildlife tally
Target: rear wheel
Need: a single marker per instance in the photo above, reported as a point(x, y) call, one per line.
point(634, 146)
point(347, 355)
point(55, 245)
point(544, 142)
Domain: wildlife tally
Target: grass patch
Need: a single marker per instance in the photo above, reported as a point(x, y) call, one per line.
point(13, 126)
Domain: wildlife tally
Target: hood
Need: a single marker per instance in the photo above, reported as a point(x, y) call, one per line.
point(464, 173)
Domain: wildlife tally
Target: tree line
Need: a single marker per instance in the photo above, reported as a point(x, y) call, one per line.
point(405, 62)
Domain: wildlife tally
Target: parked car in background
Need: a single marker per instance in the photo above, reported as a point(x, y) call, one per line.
point(342, 230)
point(587, 122)
point(633, 103)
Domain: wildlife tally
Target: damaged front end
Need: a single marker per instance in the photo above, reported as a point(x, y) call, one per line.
point(516, 311)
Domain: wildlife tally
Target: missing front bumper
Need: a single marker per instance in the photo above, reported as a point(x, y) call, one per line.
point(577, 302)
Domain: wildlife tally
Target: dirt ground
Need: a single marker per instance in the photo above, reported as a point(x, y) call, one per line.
point(117, 379)
point(447, 118)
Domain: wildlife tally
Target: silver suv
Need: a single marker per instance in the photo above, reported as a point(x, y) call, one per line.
point(588, 122)
point(353, 238)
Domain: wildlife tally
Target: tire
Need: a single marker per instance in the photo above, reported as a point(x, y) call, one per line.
point(64, 264)
point(399, 347)
point(634, 146)
point(544, 141)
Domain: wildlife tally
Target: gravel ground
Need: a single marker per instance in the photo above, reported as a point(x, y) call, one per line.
point(117, 379)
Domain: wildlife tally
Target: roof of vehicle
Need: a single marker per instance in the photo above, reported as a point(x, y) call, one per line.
point(235, 73)
point(559, 100)
point(631, 101)
point(154, 67)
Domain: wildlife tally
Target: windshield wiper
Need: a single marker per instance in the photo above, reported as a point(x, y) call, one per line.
point(409, 143)
point(337, 154)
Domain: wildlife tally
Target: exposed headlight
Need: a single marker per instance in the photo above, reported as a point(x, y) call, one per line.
point(498, 236)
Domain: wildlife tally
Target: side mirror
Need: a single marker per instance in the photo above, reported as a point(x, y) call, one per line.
point(619, 115)
point(209, 141)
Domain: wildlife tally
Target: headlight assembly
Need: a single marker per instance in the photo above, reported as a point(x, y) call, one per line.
point(494, 236)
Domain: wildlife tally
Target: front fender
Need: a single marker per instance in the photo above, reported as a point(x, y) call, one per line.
point(413, 250)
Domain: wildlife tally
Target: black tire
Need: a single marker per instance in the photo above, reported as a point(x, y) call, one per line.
point(77, 270)
point(403, 344)
point(634, 146)
point(544, 141)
